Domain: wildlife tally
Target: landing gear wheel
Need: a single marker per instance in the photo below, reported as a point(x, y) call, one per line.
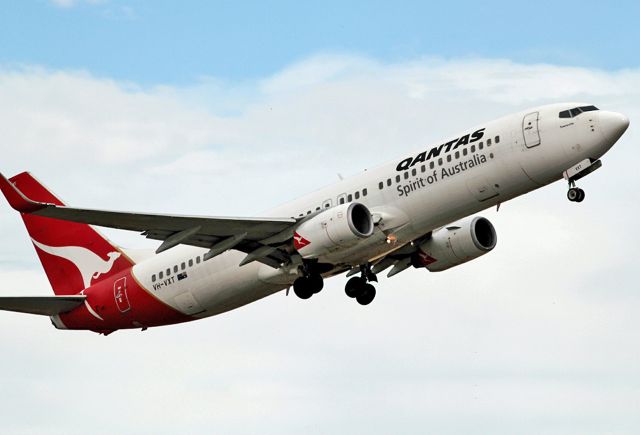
point(315, 283)
point(354, 286)
point(573, 194)
point(302, 288)
point(367, 295)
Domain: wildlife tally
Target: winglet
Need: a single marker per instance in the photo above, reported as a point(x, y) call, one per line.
point(16, 199)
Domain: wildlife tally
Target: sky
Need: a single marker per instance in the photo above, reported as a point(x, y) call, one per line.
point(225, 108)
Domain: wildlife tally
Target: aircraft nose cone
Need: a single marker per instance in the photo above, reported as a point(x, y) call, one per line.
point(613, 125)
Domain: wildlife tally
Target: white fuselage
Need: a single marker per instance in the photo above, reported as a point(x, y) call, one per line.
point(519, 153)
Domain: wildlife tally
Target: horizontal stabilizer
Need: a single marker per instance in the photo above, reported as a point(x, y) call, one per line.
point(43, 305)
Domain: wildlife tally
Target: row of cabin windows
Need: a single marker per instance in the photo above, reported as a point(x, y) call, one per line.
point(432, 164)
point(341, 200)
point(183, 266)
point(350, 197)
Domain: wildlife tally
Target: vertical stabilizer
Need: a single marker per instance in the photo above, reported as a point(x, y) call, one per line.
point(73, 255)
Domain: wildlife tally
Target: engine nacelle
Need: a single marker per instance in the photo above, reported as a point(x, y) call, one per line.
point(337, 228)
point(456, 244)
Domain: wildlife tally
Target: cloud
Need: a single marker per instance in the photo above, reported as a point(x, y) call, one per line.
point(537, 337)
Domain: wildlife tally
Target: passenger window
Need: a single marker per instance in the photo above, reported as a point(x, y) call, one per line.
point(349, 197)
point(406, 175)
point(183, 266)
point(397, 178)
point(457, 154)
point(326, 203)
point(168, 272)
point(414, 172)
point(440, 161)
point(198, 260)
point(161, 275)
point(364, 192)
point(190, 262)
point(497, 139)
point(153, 278)
point(423, 168)
point(357, 195)
point(464, 151)
point(473, 148)
point(175, 269)
point(389, 181)
point(432, 165)
point(480, 145)
point(308, 212)
point(317, 208)
point(449, 158)
point(341, 200)
point(488, 142)
point(380, 185)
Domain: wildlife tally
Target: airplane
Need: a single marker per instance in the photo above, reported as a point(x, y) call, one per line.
point(417, 211)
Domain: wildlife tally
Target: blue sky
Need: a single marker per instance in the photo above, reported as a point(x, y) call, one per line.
point(152, 42)
point(229, 109)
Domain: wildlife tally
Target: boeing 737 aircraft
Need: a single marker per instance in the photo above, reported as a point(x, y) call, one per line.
point(413, 212)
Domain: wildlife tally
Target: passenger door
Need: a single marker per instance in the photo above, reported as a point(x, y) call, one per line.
point(530, 130)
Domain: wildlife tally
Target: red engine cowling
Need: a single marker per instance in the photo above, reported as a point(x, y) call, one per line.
point(337, 228)
point(456, 244)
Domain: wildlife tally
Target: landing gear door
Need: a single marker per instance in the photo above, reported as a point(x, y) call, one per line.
point(530, 130)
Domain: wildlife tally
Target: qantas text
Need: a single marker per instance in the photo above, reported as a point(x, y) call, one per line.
point(436, 151)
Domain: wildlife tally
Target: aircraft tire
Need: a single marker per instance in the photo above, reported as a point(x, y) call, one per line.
point(301, 288)
point(316, 283)
point(354, 286)
point(367, 296)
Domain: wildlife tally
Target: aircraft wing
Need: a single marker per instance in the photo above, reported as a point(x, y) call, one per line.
point(218, 234)
point(43, 305)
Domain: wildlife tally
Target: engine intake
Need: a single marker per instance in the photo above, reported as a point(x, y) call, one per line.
point(339, 227)
point(456, 244)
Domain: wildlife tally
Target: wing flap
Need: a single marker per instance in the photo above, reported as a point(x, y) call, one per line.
point(42, 305)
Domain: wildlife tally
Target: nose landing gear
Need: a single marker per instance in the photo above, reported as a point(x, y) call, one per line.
point(575, 194)
point(359, 288)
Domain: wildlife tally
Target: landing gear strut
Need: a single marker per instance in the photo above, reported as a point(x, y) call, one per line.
point(308, 284)
point(359, 288)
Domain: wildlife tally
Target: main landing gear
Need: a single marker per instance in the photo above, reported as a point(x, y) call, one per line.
point(359, 288)
point(306, 286)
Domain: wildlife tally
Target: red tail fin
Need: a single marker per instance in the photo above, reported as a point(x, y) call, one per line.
point(73, 255)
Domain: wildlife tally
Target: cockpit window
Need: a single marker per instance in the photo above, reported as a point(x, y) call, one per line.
point(588, 108)
point(576, 111)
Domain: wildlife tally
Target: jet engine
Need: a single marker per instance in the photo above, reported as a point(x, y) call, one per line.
point(337, 228)
point(456, 244)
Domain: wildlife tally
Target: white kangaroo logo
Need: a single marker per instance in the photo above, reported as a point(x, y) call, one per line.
point(88, 263)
